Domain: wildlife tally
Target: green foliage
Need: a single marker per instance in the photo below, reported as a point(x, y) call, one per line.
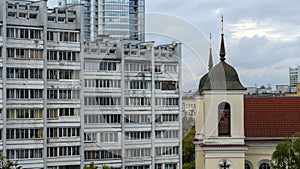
point(8, 164)
point(188, 150)
point(187, 124)
point(287, 154)
point(106, 167)
point(190, 165)
point(90, 166)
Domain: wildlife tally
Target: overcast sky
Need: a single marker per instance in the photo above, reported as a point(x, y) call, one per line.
point(262, 37)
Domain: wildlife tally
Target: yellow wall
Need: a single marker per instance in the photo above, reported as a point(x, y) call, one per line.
point(298, 91)
point(211, 102)
point(257, 153)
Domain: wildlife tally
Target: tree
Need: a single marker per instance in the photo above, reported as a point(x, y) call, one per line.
point(188, 150)
point(8, 164)
point(91, 166)
point(287, 154)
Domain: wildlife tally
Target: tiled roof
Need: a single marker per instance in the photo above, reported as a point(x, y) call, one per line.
point(272, 117)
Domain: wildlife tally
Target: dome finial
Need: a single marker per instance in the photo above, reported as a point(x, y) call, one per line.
point(222, 48)
point(210, 60)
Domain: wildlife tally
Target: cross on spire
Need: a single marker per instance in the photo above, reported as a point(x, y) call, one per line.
point(210, 60)
point(222, 25)
point(222, 47)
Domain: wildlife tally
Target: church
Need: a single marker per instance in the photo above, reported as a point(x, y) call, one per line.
point(235, 131)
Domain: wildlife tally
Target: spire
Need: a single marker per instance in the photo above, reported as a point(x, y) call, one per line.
point(210, 60)
point(222, 48)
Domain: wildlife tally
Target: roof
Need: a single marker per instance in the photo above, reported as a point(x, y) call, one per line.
point(221, 77)
point(272, 117)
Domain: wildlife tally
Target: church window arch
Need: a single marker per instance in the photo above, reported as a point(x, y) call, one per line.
point(265, 164)
point(248, 165)
point(224, 117)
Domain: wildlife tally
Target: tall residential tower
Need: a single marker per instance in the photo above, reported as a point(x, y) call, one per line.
point(122, 19)
point(65, 103)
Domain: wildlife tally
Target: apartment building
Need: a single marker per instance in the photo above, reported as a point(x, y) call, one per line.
point(121, 19)
point(65, 103)
point(132, 104)
point(41, 86)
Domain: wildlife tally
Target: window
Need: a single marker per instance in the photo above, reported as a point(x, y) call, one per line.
point(63, 151)
point(166, 85)
point(62, 74)
point(90, 137)
point(166, 118)
point(18, 134)
point(247, 166)
point(24, 33)
point(16, 73)
point(138, 167)
point(67, 36)
point(166, 151)
point(264, 166)
point(138, 118)
point(24, 154)
point(171, 166)
point(171, 68)
point(103, 101)
point(63, 132)
point(224, 119)
point(138, 101)
point(109, 137)
point(62, 94)
point(166, 101)
point(157, 68)
point(108, 66)
point(137, 67)
point(140, 85)
point(102, 118)
point(225, 164)
point(50, 36)
point(24, 93)
point(158, 166)
point(103, 83)
point(24, 113)
point(138, 152)
point(102, 154)
point(52, 113)
point(142, 135)
point(167, 134)
point(17, 53)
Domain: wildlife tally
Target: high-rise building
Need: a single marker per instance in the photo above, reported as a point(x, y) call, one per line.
point(132, 104)
point(41, 91)
point(65, 103)
point(294, 76)
point(122, 19)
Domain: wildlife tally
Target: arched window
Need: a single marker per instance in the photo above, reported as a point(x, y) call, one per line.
point(248, 165)
point(224, 119)
point(264, 166)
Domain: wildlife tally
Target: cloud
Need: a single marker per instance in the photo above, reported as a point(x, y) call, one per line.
point(271, 30)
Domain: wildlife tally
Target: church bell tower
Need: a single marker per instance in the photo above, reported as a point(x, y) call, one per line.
point(219, 140)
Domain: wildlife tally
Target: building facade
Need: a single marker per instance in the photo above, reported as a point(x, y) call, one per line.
point(121, 19)
point(66, 103)
point(294, 76)
point(40, 86)
point(132, 105)
point(236, 131)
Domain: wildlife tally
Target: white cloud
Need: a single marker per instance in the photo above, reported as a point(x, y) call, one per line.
point(268, 29)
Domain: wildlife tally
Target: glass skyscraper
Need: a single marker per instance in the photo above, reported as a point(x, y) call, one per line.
point(122, 19)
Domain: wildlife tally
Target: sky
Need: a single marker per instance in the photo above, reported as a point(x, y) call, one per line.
point(262, 38)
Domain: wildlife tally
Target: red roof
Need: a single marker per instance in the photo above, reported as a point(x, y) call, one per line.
point(272, 117)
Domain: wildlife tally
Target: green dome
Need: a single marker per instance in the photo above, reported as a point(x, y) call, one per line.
point(221, 77)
